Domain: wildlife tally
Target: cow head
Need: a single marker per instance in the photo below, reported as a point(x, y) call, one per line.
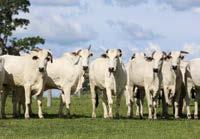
point(138, 55)
point(113, 55)
point(84, 55)
point(42, 56)
point(176, 57)
point(157, 59)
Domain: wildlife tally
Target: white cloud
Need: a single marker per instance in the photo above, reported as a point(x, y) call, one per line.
point(55, 2)
point(55, 26)
point(196, 10)
point(175, 4)
point(181, 4)
point(132, 31)
point(126, 3)
point(152, 47)
point(192, 48)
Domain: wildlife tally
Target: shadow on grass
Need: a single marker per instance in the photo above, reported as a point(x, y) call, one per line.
point(82, 116)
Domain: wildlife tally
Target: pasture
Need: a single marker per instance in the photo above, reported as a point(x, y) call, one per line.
point(81, 125)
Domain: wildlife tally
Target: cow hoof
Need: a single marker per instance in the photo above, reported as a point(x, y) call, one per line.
point(27, 117)
point(106, 117)
point(176, 117)
point(150, 118)
point(155, 118)
point(111, 116)
point(41, 117)
point(195, 116)
point(94, 115)
point(189, 117)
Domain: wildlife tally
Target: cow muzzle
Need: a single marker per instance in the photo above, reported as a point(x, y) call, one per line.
point(174, 67)
point(155, 70)
point(41, 69)
point(111, 69)
point(85, 68)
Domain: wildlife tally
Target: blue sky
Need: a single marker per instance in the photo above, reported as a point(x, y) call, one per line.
point(132, 25)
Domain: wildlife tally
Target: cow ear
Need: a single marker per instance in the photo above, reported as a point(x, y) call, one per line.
point(91, 54)
point(184, 52)
point(104, 56)
point(35, 57)
point(149, 58)
point(153, 53)
point(181, 57)
point(89, 47)
point(133, 56)
point(107, 51)
point(74, 53)
point(120, 52)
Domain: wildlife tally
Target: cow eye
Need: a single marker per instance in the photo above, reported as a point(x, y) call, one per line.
point(35, 57)
point(91, 54)
point(116, 57)
point(48, 59)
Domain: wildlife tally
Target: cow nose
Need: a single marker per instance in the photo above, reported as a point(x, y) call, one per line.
point(155, 70)
point(174, 67)
point(85, 68)
point(111, 69)
point(41, 69)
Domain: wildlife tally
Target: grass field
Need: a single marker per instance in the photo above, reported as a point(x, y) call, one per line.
point(81, 125)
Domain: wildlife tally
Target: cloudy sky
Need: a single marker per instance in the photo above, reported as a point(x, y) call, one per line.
point(132, 25)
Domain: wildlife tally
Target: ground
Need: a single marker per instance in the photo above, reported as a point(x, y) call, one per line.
point(81, 125)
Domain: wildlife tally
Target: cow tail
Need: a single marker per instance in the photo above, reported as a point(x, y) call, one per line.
point(97, 100)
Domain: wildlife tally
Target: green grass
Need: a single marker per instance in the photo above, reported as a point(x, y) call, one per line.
point(80, 125)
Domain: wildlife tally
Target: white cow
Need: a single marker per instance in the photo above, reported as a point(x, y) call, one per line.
point(107, 74)
point(172, 81)
point(2, 76)
point(67, 74)
point(192, 80)
point(28, 71)
point(143, 71)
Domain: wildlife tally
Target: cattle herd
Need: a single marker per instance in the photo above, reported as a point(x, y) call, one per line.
point(159, 75)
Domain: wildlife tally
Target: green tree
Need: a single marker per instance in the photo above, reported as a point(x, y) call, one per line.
point(9, 22)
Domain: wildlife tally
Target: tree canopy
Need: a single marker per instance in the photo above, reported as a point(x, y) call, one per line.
point(10, 21)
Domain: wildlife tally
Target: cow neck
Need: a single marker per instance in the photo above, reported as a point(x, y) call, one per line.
point(78, 62)
point(118, 68)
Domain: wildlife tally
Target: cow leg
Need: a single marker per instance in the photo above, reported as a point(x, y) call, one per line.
point(129, 101)
point(187, 100)
point(149, 102)
point(118, 101)
point(62, 100)
point(93, 97)
point(27, 100)
point(105, 105)
point(164, 107)
point(67, 93)
point(137, 101)
point(155, 109)
point(110, 102)
point(141, 104)
point(196, 109)
point(15, 103)
point(39, 101)
point(176, 104)
point(3, 103)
